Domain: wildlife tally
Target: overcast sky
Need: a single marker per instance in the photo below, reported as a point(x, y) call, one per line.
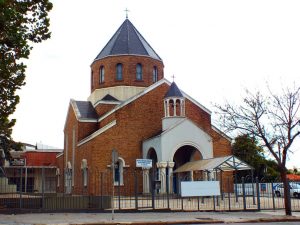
point(215, 49)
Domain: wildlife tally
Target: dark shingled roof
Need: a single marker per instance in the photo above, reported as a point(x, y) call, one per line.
point(86, 110)
point(173, 91)
point(127, 41)
point(108, 97)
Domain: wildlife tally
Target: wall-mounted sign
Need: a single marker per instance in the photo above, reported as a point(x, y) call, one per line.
point(17, 162)
point(144, 163)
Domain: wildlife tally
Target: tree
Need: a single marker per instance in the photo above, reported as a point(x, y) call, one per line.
point(248, 149)
point(272, 119)
point(21, 24)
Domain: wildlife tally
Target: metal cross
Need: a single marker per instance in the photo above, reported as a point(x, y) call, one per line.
point(173, 77)
point(126, 10)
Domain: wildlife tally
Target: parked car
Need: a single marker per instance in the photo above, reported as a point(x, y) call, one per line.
point(294, 190)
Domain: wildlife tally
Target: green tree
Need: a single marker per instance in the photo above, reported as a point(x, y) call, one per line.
point(273, 119)
point(22, 22)
point(247, 149)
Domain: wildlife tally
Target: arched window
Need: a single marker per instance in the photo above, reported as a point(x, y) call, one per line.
point(101, 75)
point(84, 169)
point(155, 76)
point(92, 79)
point(119, 71)
point(139, 72)
point(119, 168)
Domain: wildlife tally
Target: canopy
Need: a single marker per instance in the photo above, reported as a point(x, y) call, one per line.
point(227, 163)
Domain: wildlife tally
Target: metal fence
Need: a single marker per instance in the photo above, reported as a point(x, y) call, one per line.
point(18, 194)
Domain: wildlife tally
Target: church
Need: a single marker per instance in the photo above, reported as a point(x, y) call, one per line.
point(133, 110)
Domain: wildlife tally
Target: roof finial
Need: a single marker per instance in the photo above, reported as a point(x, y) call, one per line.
point(126, 10)
point(173, 77)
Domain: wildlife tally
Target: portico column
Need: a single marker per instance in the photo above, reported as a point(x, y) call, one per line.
point(146, 186)
point(170, 167)
point(162, 175)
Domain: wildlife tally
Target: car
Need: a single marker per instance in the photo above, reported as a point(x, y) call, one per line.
point(294, 190)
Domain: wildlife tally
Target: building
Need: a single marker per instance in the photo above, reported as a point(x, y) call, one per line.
point(31, 170)
point(133, 109)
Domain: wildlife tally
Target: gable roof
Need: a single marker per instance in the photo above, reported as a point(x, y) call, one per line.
point(127, 41)
point(84, 110)
point(226, 163)
point(173, 91)
point(145, 91)
point(108, 97)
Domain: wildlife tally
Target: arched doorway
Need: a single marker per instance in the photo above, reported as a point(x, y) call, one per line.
point(184, 154)
point(153, 174)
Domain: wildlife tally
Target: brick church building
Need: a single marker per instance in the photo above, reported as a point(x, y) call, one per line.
point(133, 109)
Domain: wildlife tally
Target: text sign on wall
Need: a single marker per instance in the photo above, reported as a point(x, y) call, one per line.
point(200, 188)
point(144, 163)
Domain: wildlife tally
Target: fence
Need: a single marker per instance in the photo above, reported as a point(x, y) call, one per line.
point(129, 195)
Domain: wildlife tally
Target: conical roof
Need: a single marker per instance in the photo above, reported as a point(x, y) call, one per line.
point(173, 91)
point(127, 41)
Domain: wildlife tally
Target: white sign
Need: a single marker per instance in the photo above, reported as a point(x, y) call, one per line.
point(200, 188)
point(145, 163)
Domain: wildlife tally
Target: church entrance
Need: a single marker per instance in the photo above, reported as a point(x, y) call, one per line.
point(184, 154)
point(153, 172)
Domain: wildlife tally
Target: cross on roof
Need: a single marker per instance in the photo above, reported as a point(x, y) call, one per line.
point(173, 77)
point(126, 10)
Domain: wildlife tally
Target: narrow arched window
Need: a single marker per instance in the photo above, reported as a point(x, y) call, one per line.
point(118, 172)
point(92, 79)
point(155, 76)
point(139, 72)
point(101, 75)
point(119, 71)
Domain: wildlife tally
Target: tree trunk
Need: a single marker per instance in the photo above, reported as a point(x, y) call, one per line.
point(287, 197)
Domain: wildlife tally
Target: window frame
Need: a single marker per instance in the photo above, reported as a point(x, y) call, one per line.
point(139, 72)
point(155, 74)
point(119, 72)
point(101, 74)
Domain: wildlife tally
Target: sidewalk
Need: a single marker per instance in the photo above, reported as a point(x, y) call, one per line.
point(146, 218)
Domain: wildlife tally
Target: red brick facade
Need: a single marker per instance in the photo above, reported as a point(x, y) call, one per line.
point(135, 122)
point(129, 71)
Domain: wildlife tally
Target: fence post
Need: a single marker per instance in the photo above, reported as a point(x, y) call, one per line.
point(244, 193)
point(273, 196)
point(289, 195)
point(136, 189)
point(101, 190)
point(119, 191)
point(21, 186)
point(168, 183)
point(43, 188)
point(252, 181)
point(235, 185)
point(214, 201)
point(258, 194)
point(228, 189)
point(153, 187)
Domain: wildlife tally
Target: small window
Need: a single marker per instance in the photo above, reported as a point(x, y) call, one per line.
point(119, 72)
point(92, 79)
point(139, 72)
point(155, 76)
point(101, 74)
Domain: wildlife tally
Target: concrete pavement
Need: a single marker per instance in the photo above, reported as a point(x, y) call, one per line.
point(146, 218)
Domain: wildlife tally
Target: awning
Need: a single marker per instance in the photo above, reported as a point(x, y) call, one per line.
point(227, 163)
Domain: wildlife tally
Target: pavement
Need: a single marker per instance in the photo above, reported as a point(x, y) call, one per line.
point(146, 218)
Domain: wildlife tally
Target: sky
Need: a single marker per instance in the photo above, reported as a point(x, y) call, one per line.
point(215, 50)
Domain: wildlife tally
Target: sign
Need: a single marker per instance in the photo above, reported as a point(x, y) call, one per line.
point(200, 188)
point(17, 162)
point(144, 163)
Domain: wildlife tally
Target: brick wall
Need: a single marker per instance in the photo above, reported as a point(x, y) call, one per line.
point(129, 71)
point(136, 122)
